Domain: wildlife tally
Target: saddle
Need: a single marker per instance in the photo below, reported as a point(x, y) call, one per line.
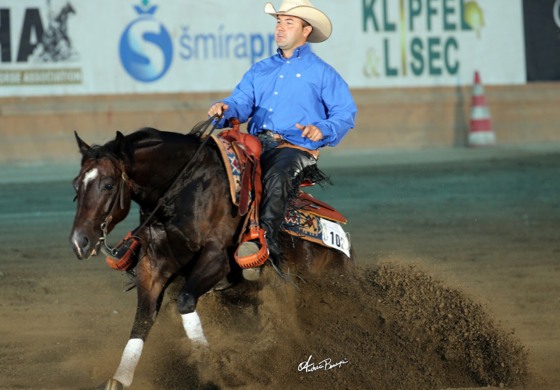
point(307, 218)
point(241, 153)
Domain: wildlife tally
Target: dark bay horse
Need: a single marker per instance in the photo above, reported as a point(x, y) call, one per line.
point(192, 235)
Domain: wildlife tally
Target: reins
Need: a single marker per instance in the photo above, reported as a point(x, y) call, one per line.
point(114, 252)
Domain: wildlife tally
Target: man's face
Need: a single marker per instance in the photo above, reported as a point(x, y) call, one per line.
point(290, 32)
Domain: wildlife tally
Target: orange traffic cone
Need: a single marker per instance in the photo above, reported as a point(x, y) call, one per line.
point(481, 132)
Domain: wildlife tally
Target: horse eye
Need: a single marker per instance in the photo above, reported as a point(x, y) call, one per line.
point(108, 187)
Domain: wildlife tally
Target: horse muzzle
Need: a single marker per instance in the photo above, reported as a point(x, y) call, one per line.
point(84, 247)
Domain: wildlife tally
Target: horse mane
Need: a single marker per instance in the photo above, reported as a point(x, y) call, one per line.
point(143, 138)
point(149, 137)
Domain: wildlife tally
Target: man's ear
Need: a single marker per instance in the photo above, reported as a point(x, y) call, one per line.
point(307, 30)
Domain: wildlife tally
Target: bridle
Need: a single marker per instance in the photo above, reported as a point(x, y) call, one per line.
point(125, 180)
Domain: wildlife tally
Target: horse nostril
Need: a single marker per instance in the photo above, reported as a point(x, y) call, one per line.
point(84, 242)
point(80, 244)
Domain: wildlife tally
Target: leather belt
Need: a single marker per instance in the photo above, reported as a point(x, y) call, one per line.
point(270, 140)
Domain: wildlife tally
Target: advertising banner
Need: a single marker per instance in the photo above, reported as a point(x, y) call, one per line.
point(542, 39)
point(71, 47)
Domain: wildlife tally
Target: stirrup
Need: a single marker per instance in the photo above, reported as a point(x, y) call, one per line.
point(256, 259)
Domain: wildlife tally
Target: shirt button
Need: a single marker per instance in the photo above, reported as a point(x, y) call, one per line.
point(276, 92)
point(270, 109)
point(264, 125)
point(281, 76)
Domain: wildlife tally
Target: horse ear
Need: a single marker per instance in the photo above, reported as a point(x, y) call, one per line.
point(119, 143)
point(81, 144)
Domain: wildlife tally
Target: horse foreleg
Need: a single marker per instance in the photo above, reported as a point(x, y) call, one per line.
point(211, 267)
point(129, 360)
point(150, 288)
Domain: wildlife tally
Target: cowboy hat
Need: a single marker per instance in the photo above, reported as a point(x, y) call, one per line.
point(303, 9)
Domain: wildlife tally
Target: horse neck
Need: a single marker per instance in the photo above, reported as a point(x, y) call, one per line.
point(155, 170)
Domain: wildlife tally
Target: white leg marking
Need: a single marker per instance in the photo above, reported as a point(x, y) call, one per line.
point(90, 175)
point(129, 360)
point(193, 327)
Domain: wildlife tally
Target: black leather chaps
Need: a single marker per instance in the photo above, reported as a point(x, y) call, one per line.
point(282, 169)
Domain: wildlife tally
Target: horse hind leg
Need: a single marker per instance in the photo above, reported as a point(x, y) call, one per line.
point(193, 328)
point(309, 258)
point(211, 267)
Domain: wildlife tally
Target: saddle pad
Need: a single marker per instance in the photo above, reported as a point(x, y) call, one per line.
point(310, 227)
point(233, 169)
point(316, 207)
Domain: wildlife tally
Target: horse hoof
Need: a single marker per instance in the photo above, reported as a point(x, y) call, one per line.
point(223, 285)
point(111, 384)
point(252, 274)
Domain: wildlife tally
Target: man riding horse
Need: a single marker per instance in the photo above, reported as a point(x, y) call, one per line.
point(296, 103)
point(188, 225)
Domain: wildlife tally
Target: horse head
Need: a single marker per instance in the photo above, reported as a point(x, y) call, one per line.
point(68, 9)
point(103, 194)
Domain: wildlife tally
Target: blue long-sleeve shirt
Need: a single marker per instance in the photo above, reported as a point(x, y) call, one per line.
point(276, 93)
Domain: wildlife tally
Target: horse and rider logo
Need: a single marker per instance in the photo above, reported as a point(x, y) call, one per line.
point(43, 49)
point(55, 44)
point(145, 48)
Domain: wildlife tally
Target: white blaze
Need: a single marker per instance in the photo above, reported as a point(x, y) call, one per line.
point(90, 175)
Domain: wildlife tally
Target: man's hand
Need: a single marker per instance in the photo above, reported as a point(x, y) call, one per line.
point(217, 109)
point(311, 132)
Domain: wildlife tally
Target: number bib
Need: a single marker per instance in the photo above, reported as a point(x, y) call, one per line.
point(334, 236)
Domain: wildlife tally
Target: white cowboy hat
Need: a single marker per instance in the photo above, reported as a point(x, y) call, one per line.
point(303, 9)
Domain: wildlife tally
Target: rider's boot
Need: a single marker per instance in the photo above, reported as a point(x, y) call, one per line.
point(281, 167)
point(251, 248)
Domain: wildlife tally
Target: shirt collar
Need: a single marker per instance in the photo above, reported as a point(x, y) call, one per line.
point(298, 52)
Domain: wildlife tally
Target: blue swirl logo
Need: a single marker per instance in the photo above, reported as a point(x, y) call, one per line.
point(145, 48)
